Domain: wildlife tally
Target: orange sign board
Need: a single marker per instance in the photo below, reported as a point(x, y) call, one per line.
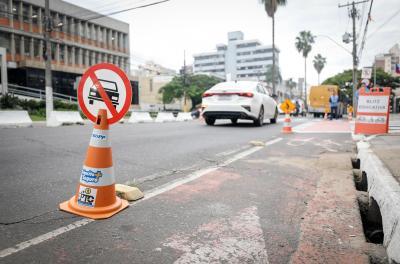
point(287, 106)
point(373, 111)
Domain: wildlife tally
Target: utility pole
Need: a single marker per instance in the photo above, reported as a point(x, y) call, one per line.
point(47, 57)
point(353, 14)
point(184, 81)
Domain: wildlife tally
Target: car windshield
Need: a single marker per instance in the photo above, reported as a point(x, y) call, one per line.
point(111, 86)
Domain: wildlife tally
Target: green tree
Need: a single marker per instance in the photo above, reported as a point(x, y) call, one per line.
point(303, 45)
point(196, 86)
point(319, 63)
point(344, 81)
point(270, 7)
point(270, 77)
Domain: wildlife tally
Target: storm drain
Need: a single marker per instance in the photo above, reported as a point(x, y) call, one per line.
point(360, 180)
point(371, 218)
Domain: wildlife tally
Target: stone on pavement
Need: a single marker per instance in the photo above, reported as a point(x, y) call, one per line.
point(128, 192)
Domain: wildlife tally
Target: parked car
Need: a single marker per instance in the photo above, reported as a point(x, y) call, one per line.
point(239, 100)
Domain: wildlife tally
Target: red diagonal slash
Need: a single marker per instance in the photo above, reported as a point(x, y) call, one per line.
point(103, 94)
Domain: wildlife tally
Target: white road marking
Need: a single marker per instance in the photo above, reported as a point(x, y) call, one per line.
point(150, 194)
point(237, 239)
point(42, 238)
point(297, 142)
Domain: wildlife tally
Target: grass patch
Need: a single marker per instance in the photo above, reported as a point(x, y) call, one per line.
point(38, 118)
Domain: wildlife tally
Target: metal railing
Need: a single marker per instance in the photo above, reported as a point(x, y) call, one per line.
point(38, 93)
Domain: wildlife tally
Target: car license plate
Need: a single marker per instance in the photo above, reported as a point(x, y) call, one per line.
point(224, 97)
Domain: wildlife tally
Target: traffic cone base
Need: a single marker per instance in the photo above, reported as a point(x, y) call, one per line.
point(73, 207)
point(95, 195)
point(287, 129)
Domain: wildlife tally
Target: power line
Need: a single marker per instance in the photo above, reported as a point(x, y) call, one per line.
point(121, 11)
point(365, 32)
point(384, 23)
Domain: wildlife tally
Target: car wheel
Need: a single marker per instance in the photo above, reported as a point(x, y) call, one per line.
point(90, 101)
point(210, 121)
point(273, 120)
point(260, 120)
point(234, 121)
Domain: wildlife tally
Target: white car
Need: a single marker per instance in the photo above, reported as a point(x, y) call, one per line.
point(239, 100)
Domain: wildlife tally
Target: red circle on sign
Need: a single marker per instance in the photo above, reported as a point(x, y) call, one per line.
point(128, 88)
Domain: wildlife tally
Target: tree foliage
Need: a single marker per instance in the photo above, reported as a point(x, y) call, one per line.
point(319, 63)
point(195, 86)
point(344, 81)
point(303, 42)
point(269, 78)
point(272, 5)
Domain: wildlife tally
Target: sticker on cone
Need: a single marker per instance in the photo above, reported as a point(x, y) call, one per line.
point(105, 86)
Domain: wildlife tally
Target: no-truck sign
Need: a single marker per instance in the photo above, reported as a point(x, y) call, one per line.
point(105, 86)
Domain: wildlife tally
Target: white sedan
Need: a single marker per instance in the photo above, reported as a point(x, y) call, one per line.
point(239, 100)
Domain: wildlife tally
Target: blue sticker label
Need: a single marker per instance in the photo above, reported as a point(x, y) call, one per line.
point(90, 176)
point(98, 136)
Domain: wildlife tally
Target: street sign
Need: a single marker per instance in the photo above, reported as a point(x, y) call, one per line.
point(366, 73)
point(373, 111)
point(105, 86)
point(287, 106)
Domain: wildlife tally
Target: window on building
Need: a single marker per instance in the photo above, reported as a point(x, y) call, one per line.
point(36, 47)
point(60, 23)
point(5, 40)
point(76, 23)
point(88, 31)
point(4, 8)
point(53, 51)
point(17, 41)
point(27, 45)
point(15, 9)
point(35, 15)
point(69, 57)
point(62, 53)
point(25, 13)
point(76, 55)
point(100, 35)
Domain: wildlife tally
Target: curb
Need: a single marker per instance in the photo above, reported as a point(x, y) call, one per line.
point(384, 188)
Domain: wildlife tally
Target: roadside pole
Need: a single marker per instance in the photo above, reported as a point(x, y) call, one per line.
point(353, 15)
point(47, 54)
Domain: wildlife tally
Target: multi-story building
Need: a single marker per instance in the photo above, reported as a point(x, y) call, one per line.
point(80, 38)
point(238, 60)
point(388, 61)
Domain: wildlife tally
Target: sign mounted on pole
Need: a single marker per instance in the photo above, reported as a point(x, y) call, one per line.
point(104, 86)
point(287, 106)
point(366, 73)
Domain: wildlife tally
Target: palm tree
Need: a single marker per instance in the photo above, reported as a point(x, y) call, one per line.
point(303, 45)
point(270, 7)
point(319, 64)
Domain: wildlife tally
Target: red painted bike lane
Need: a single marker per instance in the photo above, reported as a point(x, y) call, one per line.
point(273, 206)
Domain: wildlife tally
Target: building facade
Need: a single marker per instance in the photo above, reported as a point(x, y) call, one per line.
point(238, 60)
point(388, 61)
point(80, 38)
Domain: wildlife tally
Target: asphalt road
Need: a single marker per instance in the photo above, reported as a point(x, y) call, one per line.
point(41, 167)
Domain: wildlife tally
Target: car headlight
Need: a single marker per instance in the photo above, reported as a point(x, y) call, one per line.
point(93, 93)
point(114, 98)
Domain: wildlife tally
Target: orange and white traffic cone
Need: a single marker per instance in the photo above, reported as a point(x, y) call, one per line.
point(95, 195)
point(287, 129)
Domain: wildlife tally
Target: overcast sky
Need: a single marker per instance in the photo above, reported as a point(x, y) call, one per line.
point(161, 33)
